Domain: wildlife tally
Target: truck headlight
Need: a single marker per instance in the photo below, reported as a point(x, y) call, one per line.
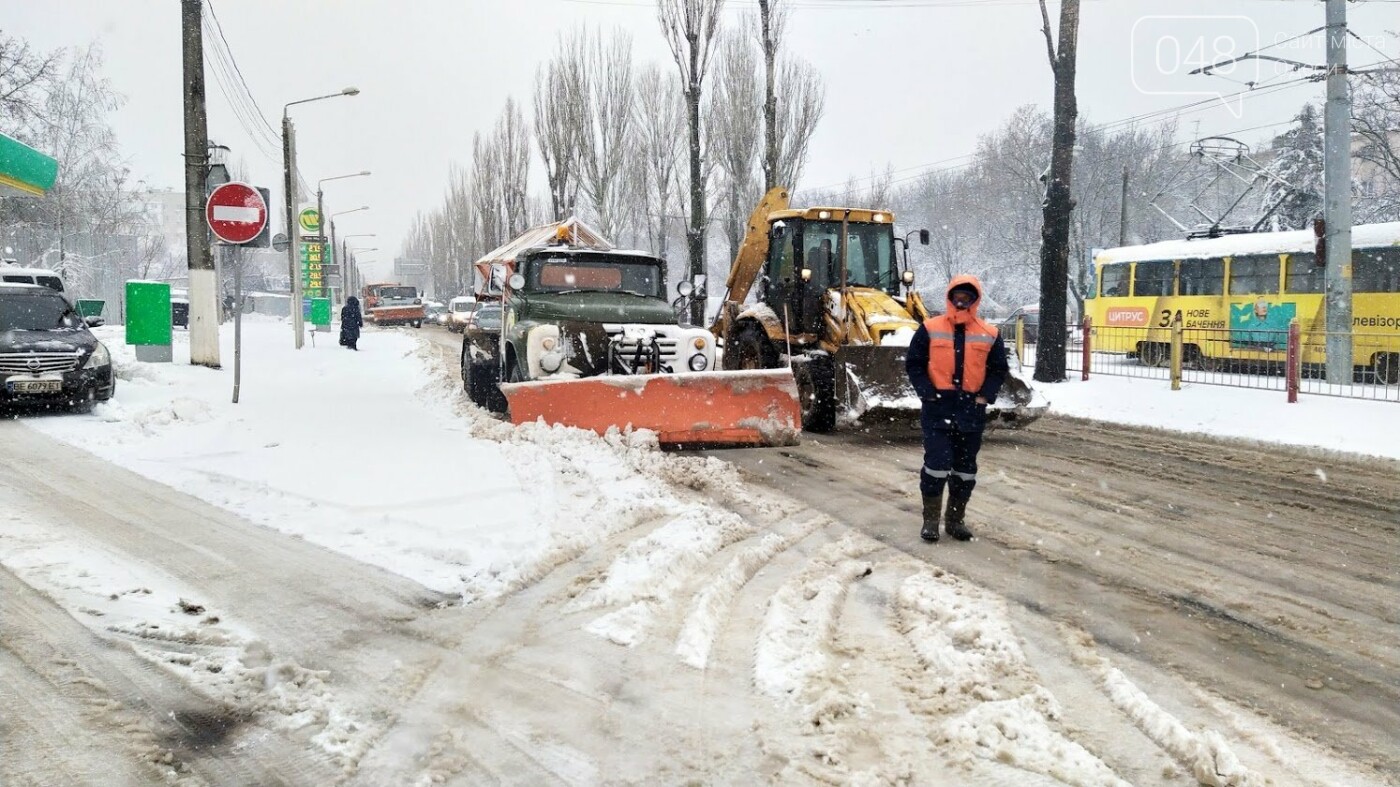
point(99, 358)
point(551, 361)
point(699, 363)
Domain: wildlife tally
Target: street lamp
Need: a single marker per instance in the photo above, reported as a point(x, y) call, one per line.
point(289, 163)
point(329, 220)
point(352, 271)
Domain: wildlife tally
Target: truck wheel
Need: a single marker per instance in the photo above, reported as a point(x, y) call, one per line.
point(751, 350)
point(816, 391)
point(417, 323)
point(481, 383)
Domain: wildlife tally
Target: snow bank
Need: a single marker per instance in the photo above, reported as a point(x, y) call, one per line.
point(1354, 425)
point(373, 454)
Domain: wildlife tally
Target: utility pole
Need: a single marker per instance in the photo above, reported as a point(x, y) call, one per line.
point(1337, 197)
point(767, 9)
point(1123, 211)
point(204, 285)
point(1059, 204)
point(289, 157)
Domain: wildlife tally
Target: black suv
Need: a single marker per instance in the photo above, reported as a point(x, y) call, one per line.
point(48, 358)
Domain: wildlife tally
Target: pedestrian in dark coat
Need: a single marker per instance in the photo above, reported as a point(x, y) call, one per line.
point(957, 364)
point(350, 323)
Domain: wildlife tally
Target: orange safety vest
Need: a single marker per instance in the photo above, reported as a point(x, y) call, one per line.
point(977, 347)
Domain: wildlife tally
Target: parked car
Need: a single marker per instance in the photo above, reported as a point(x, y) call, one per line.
point(1031, 316)
point(48, 357)
point(13, 274)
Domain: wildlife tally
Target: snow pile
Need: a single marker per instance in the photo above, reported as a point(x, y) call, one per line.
point(373, 454)
point(964, 640)
point(647, 574)
point(1353, 425)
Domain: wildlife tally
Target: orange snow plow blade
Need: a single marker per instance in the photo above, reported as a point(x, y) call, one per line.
point(702, 410)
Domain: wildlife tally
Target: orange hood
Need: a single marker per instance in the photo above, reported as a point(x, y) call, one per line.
point(963, 315)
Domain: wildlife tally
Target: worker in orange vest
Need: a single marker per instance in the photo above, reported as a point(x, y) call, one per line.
point(956, 363)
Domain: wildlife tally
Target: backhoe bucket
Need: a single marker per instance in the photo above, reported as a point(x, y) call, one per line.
point(704, 409)
point(875, 387)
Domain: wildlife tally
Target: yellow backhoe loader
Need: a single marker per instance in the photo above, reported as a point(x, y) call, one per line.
point(835, 300)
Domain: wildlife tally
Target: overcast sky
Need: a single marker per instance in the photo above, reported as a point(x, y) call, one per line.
point(909, 83)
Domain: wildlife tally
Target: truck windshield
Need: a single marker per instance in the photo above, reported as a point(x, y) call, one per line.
point(407, 293)
point(870, 259)
point(637, 275)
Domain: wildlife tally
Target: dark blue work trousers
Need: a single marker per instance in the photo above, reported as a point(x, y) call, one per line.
point(950, 459)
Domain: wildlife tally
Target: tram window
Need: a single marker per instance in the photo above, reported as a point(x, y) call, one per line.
point(1154, 278)
point(1255, 275)
point(1114, 280)
point(1376, 270)
point(1202, 277)
point(1304, 274)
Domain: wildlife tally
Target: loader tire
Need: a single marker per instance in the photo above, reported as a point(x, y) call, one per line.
point(816, 390)
point(751, 350)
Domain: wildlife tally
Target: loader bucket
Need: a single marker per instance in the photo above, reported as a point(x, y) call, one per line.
point(704, 409)
point(875, 387)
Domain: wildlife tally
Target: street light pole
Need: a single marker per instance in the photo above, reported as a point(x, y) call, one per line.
point(345, 255)
point(325, 220)
point(289, 164)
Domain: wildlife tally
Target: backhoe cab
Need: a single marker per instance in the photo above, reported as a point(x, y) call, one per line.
point(834, 295)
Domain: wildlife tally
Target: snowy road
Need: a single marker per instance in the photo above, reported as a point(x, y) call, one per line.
point(742, 618)
point(1264, 575)
point(276, 608)
point(1249, 590)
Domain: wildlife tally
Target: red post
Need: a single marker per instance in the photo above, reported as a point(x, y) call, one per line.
point(1088, 352)
point(1295, 358)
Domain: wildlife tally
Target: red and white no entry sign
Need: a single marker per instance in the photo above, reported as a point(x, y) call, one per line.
point(236, 213)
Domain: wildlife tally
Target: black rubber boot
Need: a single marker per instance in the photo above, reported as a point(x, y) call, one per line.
point(957, 512)
point(933, 514)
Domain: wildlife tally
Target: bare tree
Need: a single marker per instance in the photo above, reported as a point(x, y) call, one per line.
point(512, 140)
point(799, 109)
point(659, 120)
point(736, 101)
point(690, 27)
point(1376, 122)
point(1054, 254)
point(607, 131)
point(26, 77)
point(561, 115)
point(772, 23)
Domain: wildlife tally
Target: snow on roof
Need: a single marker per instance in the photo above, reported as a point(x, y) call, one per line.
point(1362, 235)
point(581, 236)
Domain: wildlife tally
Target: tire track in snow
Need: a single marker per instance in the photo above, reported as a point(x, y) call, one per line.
point(984, 696)
point(712, 604)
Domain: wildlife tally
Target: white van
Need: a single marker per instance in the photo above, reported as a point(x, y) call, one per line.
point(13, 274)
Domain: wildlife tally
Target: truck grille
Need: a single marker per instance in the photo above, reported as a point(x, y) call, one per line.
point(37, 363)
point(625, 345)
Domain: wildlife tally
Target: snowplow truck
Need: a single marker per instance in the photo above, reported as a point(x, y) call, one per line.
point(588, 339)
point(833, 301)
point(394, 304)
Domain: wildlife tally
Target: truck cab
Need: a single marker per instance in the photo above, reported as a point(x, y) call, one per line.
point(576, 312)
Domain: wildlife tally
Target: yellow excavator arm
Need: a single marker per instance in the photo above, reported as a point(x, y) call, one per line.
point(753, 252)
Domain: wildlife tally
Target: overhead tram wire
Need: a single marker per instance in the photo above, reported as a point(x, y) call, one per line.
point(1112, 125)
point(245, 107)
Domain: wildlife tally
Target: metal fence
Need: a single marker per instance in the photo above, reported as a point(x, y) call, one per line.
point(1291, 361)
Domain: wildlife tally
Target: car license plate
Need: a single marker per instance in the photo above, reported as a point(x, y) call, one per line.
point(35, 386)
